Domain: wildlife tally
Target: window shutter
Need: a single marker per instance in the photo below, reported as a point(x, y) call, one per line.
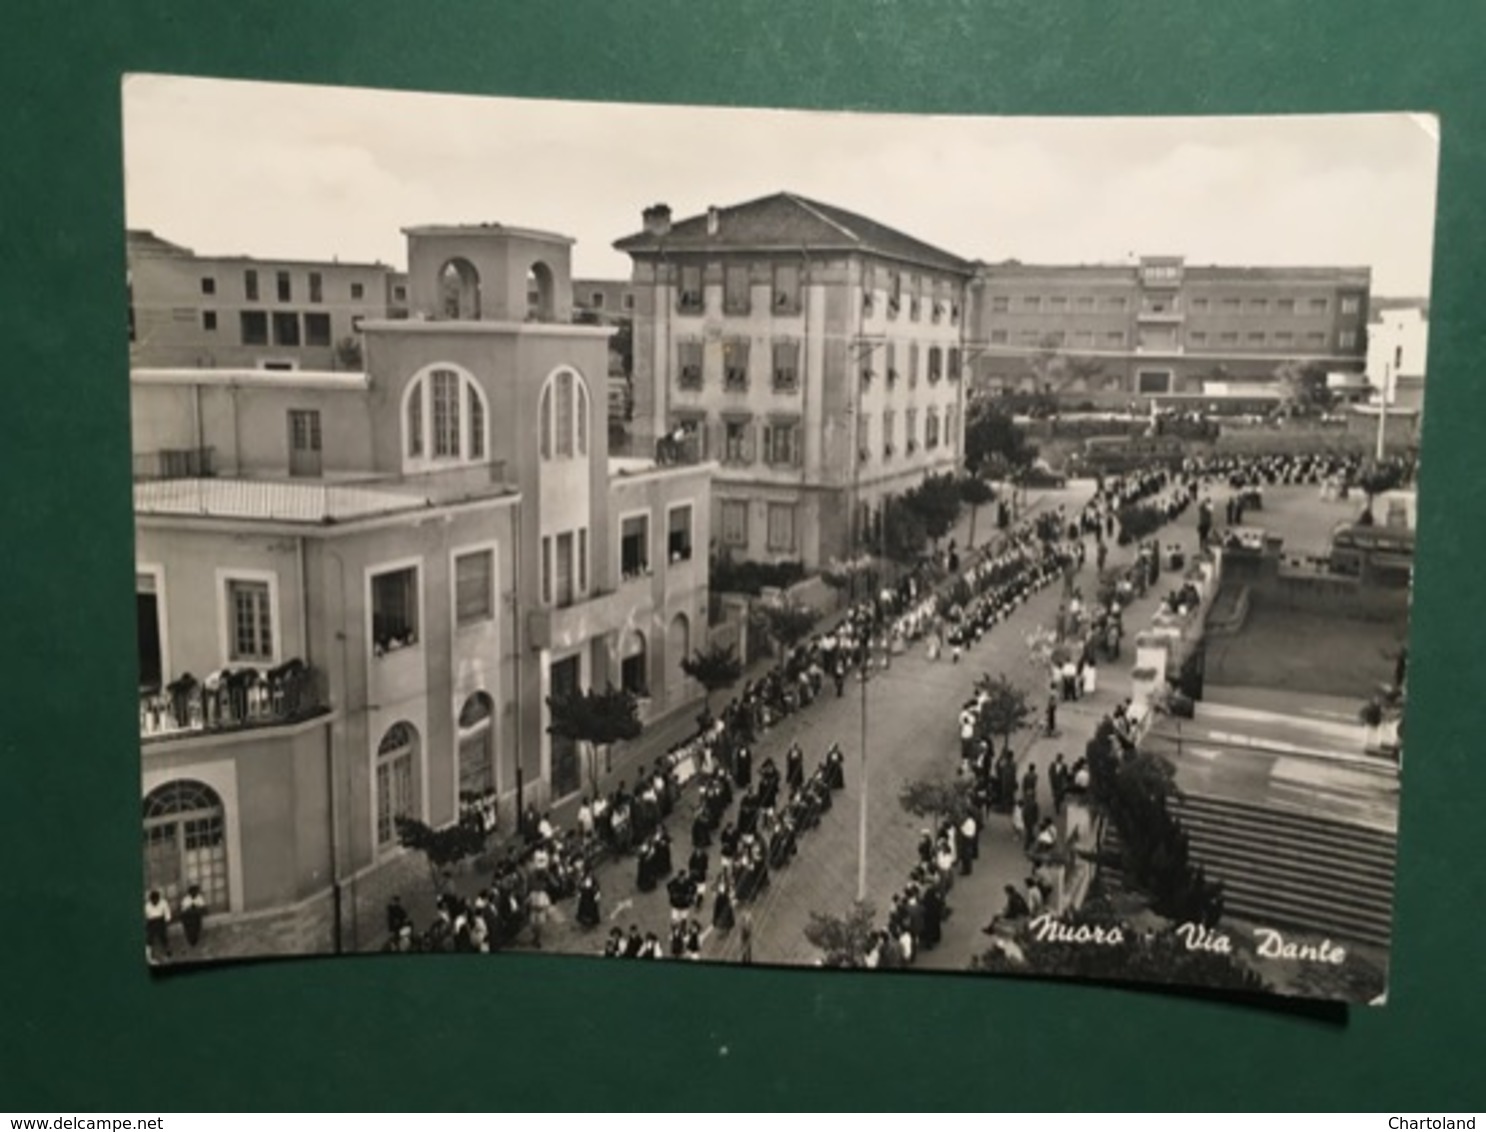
point(749, 431)
point(797, 448)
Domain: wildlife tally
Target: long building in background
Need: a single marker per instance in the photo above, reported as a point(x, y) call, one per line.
point(814, 353)
point(1160, 327)
point(356, 590)
point(241, 312)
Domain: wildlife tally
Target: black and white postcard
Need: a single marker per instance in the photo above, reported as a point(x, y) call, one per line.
point(680, 534)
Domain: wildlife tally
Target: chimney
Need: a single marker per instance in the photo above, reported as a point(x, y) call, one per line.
point(711, 220)
point(657, 220)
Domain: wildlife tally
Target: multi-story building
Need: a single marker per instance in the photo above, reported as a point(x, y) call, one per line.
point(357, 590)
point(814, 353)
point(603, 300)
point(1159, 328)
point(1397, 349)
point(236, 312)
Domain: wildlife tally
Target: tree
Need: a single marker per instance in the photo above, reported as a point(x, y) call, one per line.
point(716, 667)
point(441, 848)
point(993, 442)
point(938, 799)
point(1303, 387)
point(843, 940)
point(1373, 481)
point(974, 491)
point(788, 623)
point(936, 502)
point(1006, 709)
point(903, 534)
point(599, 719)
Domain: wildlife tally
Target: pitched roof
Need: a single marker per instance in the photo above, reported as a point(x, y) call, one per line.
point(788, 221)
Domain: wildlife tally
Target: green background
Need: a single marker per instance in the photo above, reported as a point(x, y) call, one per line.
point(83, 1027)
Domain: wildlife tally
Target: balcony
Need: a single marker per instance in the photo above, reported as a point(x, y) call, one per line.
point(1160, 312)
point(175, 464)
point(572, 625)
point(679, 448)
point(231, 700)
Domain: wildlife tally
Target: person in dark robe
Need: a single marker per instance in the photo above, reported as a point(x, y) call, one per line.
point(634, 943)
point(193, 911)
point(1029, 821)
point(836, 767)
point(933, 917)
point(693, 940)
point(614, 945)
point(794, 767)
point(697, 865)
point(701, 827)
point(588, 900)
point(645, 872)
point(722, 905)
point(663, 864)
point(743, 768)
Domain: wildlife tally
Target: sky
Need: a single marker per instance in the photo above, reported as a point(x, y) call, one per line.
point(308, 172)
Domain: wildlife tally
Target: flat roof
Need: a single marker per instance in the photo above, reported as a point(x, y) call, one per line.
point(268, 500)
point(490, 229)
point(254, 378)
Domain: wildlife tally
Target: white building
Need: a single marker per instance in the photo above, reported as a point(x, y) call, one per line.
point(1397, 343)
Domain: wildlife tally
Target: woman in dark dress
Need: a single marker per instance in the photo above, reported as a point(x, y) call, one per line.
point(722, 907)
point(588, 901)
point(645, 868)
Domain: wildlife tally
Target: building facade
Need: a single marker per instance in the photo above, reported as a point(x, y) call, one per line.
point(1160, 327)
point(814, 354)
point(357, 590)
point(236, 312)
point(1397, 352)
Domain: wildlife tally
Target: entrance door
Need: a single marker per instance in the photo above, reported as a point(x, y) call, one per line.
point(567, 768)
point(304, 443)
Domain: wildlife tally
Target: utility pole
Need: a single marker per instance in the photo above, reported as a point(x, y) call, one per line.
point(1383, 410)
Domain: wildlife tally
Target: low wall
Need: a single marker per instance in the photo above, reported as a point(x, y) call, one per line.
point(1335, 595)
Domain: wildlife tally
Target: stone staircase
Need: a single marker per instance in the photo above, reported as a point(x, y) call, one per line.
point(1287, 868)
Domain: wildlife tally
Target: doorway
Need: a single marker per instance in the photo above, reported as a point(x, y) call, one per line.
point(567, 767)
point(304, 443)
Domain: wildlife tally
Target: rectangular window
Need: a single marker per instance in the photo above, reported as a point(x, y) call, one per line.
point(1258, 306)
point(1315, 338)
point(689, 365)
point(1086, 302)
point(597, 300)
point(1084, 337)
point(629, 301)
point(1232, 304)
point(395, 794)
point(1319, 305)
point(1029, 338)
point(446, 413)
point(1347, 340)
point(734, 522)
point(1285, 306)
point(285, 328)
point(910, 429)
point(282, 283)
point(1153, 381)
point(1032, 303)
point(1115, 338)
point(786, 367)
point(786, 288)
point(546, 569)
point(888, 432)
point(1256, 337)
point(252, 621)
point(998, 337)
point(689, 298)
point(565, 572)
point(208, 320)
point(317, 290)
point(1000, 303)
point(583, 560)
point(1199, 304)
point(474, 588)
point(912, 364)
point(737, 442)
point(782, 444)
point(1115, 302)
point(400, 293)
point(1198, 337)
point(678, 535)
point(1283, 337)
point(1058, 303)
point(735, 289)
point(936, 364)
point(208, 285)
point(395, 609)
point(1350, 304)
point(931, 429)
point(254, 328)
point(250, 285)
point(317, 329)
point(1228, 337)
point(735, 365)
point(864, 438)
point(358, 290)
point(781, 535)
point(562, 408)
point(634, 547)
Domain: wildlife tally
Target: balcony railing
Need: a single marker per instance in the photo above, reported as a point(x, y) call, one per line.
point(175, 464)
point(230, 700)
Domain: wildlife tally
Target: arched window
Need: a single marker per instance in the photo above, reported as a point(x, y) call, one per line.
point(634, 676)
point(445, 417)
point(678, 643)
point(185, 842)
point(539, 293)
point(562, 419)
point(459, 290)
point(397, 780)
point(476, 747)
